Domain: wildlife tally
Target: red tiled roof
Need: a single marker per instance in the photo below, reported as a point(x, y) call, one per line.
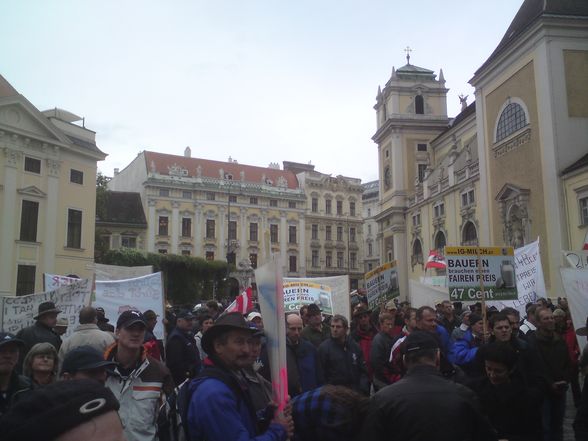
point(210, 169)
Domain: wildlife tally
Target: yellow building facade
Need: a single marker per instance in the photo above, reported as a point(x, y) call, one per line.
point(48, 191)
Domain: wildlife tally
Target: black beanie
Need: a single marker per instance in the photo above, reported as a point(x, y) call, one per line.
point(47, 412)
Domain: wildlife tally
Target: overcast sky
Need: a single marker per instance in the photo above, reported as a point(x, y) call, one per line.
point(260, 81)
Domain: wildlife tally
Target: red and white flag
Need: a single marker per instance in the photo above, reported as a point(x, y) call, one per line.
point(436, 260)
point(243, 303)
point(585, 247)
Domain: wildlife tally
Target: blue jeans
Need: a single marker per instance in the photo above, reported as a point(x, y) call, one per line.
point(554, 409)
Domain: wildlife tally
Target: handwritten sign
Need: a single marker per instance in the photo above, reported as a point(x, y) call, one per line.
point(141, 293)
point(19, 312)
point(576, 259)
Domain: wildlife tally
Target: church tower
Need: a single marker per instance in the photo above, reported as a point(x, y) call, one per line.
point(411, 110)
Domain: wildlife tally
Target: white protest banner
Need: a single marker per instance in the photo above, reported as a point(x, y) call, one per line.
point(141, 293)
point(339, 287)
point(382, 284)
point(271, 302)
point(496, 272)
point(576, 259)
point(53, 281)
point(19, 312)
point(298, 293)
point(575, 283)
point(115, 272)
point(529, 274)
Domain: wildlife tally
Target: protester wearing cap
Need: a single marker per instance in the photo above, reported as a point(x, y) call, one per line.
point(220, 408)
point(181, 353)
point(12, 385)
point(87, 333)
point(315, 332)
point(103, 321)
point(65, 411)
point(85, 362)
point(139, 382)
point(61, 326)
point(363, 333)
point(255, 318)
point(424, 405)
point(41, 331)
point(464, 350)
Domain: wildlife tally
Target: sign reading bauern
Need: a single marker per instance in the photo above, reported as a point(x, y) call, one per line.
point(497, 273)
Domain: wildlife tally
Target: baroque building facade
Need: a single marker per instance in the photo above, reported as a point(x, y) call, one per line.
point(370, 199)
point(510, 168)
point(47, 193)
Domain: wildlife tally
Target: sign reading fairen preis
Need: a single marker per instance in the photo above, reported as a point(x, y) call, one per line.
point(497, 274)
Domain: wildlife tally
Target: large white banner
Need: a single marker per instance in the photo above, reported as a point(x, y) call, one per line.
point(576, 259)
point(115, 272)
point(575, 283)
point(338, 286)
point(53, 281)
point(18, 312)
point(422, 294)
point(141, 293)
point(529, 274)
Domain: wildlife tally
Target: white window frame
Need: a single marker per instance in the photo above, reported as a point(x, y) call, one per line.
point(508, 101)
point(470, 194)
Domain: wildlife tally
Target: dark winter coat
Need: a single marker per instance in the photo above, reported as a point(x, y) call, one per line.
point(343, 364)
point(304, 370)
point(181, 356)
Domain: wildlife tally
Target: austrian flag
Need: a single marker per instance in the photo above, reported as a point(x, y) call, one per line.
point(436, 260)
point(243, 303)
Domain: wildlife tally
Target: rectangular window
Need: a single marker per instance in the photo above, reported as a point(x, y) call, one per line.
point(74, 228)
point(421, 147)
point(583, 211)
point(273, 233)
point(291, 204)
point(339, 233)
point(314, 206)
point(76, 176)
point(314, 232)
point(28, 221)
point(352, 234)
point(186, 227)
point(422, 169)
point(369, 212)
point(210, 228)
point(186, 252)
point(209, 255)
point(233, 199)
point(292, 234)
point(292, 260)
point(128, 242)
point(210, 196)
point(328, 206)
point(25, 280)
point(32, 165)
point(351, 208)
point(339, 208)
point(353, 260)
point(273, 202)
point(253, 231)
point(370, 249)
point(232, 230)
point(369, 230)
point(329, 259)
point(253, 260)
point(315, 258)
point(253, 200)
point(370, 266)
point(328, 232)
point(416, 219)
point(162, 251)
point(468, 198)
point(439, 210)
point(186, 194)
point(164, 192)
point(339, 259)
point(163, 225)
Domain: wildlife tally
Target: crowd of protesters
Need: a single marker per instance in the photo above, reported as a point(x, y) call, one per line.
point(394, 372)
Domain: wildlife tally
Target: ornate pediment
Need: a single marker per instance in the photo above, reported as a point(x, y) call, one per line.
point(29, 122)
point(32, 191)
point(510, 191)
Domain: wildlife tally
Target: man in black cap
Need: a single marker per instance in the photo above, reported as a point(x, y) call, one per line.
point(314, 331)
point(41, 331)
point(181, 354)
point(64, 411)
point(12, 385)
point(424, 405)
point(85, 362)
point(220, 406)
point(139, 382)
point(102, 321)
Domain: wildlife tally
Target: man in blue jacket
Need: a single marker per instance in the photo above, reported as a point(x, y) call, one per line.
point(220, 406)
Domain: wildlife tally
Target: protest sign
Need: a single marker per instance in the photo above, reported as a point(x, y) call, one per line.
point(141, 293)
point(53, 281)
point(19, 312)
point(576, 259)
point(494, 269)
point(115, 272)
point(338, 286)
point(382, 284)
point(575, 283)
point(271, 302)
point(297, 294)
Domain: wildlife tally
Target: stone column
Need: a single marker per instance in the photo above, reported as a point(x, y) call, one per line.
point(243, 238)
point(283, 239)
point(264, 252)
point(198, 234)
point(222, 246)
point(50, 239)
point(175, 226)
point(152, 225)
point(7, 221)
point(302, 246)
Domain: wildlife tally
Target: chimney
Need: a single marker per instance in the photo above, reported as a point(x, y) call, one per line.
point(116, 170)
point(188, 152)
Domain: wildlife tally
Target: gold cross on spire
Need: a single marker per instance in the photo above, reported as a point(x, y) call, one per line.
point(408, 50)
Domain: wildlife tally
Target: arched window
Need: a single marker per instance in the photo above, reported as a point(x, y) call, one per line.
point(440, 241)
point(469, 235)
point(417, 252)
point(512, 119)
point(419, 105)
